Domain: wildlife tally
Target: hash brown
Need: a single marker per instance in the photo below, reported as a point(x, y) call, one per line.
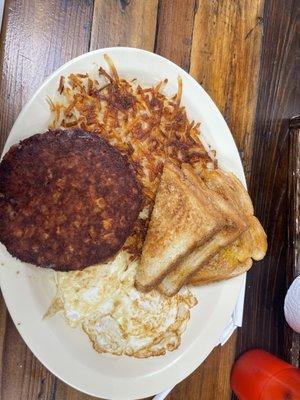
point(68, 199)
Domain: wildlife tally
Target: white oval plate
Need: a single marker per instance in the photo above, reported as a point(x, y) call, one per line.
point(28, 290)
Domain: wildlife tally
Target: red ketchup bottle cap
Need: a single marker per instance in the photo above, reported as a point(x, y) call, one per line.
point(252, 372)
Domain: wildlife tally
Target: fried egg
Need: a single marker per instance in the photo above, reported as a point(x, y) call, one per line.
point(117, 318)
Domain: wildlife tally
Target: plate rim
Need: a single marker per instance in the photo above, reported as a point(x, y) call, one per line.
point(135, 394)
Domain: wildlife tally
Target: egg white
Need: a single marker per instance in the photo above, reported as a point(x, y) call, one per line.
point(117, 318)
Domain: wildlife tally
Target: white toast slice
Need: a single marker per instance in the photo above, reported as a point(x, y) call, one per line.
point(182, 219)
point(191, 263)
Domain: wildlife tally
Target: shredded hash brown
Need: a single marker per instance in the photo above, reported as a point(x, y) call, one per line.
point(142, 123)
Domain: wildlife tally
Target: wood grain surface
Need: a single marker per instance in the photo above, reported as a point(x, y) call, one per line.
point(253, 82)
point(278, 101)
point(124, 23)
point(229, 46)
point(174, 36)
point(36, 38)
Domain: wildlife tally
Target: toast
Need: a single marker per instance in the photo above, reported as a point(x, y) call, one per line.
point(235, 225)
point(182, 220)
point(230, 188)
point(224, 273)
point(236, 258)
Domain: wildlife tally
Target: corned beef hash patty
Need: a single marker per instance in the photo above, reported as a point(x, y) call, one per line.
point(68, 199)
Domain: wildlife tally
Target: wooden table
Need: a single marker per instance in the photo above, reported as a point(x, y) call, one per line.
point(244, 55)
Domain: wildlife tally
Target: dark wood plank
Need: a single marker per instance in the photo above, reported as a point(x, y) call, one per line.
point(278, 99)
point(37, 37)
point(65, 392)
point(226, 59)
point(23, 376)
point(211, 380)
point(175, 22)
point(31, 51)
point(124, 23)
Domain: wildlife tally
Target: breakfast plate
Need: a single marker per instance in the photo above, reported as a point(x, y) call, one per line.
point(28, 291)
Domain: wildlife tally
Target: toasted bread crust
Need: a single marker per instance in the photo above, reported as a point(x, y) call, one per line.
point(224, 273)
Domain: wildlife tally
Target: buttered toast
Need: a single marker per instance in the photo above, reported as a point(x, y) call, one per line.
point(237, 257)
point(202, 230)
point(182, 219)
point(190, 264)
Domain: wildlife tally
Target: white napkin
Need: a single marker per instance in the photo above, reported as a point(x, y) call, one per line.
point(235, 321)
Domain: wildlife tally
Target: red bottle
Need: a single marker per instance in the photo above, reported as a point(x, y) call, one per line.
point(258, 375)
